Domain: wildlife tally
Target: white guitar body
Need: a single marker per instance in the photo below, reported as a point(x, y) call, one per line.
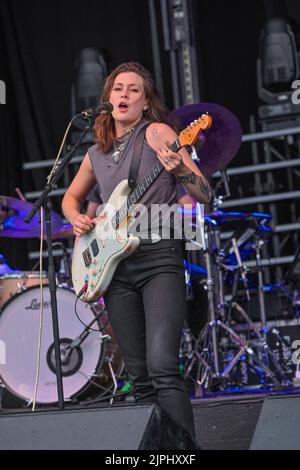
point(97, 253)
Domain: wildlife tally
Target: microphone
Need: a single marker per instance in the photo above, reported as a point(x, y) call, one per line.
point(92, 113)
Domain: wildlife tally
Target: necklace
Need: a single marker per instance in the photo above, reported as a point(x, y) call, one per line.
point(120, 144)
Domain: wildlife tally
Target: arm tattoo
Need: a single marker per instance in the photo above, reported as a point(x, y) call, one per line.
point(154, 131)
point(201, 181)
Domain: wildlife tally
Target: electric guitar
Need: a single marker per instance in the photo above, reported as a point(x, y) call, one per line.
point(97, 254)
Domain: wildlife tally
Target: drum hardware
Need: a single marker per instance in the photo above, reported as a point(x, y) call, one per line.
point(220, 268)
point(241, 268)
point(263, 344)
point(16, 282)
point(212, 243)
point(64, 233)
point(280, 378)
point(279, 342)
point(75, 344)
point(4, 268)
point(261, 335)
point(258, 244)
point(186, 344)
point(109, 361)
point(223, 139)
point(12, 219)
point(18, 328)
point(96, 376)
point(124, 395)
point(209, 377)
point(188, 284)
point(64, 274)
point(196, 356)
point(114, 380)
point(205, 354)
point(295, 299)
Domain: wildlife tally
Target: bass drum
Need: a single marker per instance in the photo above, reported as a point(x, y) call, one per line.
point(13, 283)
point(85, 369)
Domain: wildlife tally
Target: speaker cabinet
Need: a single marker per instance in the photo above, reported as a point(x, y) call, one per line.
point(278, 426)
point(108, 428)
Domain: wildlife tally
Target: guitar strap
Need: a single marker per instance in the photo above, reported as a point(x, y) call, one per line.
point(136, 157)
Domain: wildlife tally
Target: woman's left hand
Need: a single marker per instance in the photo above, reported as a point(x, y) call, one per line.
point(171, 161)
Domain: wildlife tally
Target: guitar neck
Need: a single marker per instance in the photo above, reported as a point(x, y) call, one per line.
point(141, 188)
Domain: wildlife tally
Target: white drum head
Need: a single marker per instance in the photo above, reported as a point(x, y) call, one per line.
point(19, 324)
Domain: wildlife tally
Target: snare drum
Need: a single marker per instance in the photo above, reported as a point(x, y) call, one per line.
point(84, 367)
point(13, 283)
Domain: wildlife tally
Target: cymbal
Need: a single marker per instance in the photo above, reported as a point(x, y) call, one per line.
point(12, 219)
point(66, 231)
point(217, 146)
point(221, 216)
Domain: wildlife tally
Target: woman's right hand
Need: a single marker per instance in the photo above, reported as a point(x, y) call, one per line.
point(81, 224)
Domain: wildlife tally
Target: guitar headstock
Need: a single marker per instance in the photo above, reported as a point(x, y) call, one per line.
point(190, 134)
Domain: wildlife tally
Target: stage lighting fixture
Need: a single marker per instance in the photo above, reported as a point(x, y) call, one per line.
point(91, 71)
point(278, 62)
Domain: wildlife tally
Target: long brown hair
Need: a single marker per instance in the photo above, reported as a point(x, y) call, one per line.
point(104, 127)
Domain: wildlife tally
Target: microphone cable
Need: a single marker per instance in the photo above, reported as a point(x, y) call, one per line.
point(41, 318)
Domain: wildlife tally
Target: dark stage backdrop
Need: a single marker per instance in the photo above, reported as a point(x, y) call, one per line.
point(40, 41)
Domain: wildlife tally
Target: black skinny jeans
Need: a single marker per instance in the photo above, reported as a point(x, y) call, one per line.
point(146, 306)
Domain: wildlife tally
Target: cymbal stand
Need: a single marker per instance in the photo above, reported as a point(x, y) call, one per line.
point(216, 240)
point(263, 343)
point(259, 333)
point(211, 303)
point(209, 356)
point(262, 334)
point(258, 244)
point(205, 351)
point(219, 258)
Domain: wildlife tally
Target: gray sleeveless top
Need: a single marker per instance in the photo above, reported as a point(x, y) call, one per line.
point(153, 220)
point(109, 174)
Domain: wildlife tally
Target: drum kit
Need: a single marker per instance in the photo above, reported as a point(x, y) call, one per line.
point(90, 357)
point(213, 357)
point(91, 360)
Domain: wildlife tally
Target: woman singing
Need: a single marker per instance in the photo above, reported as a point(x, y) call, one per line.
point(145, 300)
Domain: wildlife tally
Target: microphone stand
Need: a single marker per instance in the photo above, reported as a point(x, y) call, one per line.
point(43, 201)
